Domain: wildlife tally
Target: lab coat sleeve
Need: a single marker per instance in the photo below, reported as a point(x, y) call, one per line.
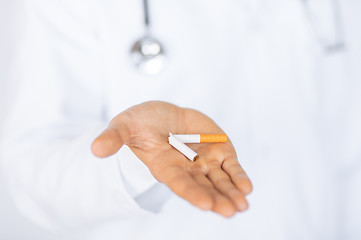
point(56, 108)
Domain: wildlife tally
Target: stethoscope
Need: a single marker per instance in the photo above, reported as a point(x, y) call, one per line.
point(338, 42)
point(148, 52)
point(149, 56)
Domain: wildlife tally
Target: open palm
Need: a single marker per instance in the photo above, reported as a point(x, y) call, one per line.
point(215, 181)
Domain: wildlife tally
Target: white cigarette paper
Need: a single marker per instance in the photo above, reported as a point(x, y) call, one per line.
point(188, 138)
point(181, 147)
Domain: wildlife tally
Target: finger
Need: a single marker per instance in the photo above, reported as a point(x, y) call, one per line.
point(108, 142)
point(237, 175)
point(223, 183)
point(186, 187)
point(222, 205)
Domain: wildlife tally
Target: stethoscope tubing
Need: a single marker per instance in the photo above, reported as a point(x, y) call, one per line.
point(145, 60)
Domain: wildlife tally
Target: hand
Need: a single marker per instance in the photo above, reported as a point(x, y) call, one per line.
point(215, 181)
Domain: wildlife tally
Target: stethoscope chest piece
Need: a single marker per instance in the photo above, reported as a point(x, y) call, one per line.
point(148, 55)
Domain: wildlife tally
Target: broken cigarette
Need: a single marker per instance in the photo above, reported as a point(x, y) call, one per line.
point(181, 147)
point(201, 138)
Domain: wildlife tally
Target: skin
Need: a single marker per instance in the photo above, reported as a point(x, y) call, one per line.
point(215, 181)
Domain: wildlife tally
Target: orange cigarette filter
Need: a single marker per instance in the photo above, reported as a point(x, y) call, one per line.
point(213, 138)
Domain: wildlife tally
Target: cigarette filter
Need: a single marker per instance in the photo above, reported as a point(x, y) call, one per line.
point(201, 138)
point(184, 149)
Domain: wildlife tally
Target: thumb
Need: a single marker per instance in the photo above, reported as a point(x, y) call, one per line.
point(109, 141)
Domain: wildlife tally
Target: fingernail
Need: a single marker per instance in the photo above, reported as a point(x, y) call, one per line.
point(242, 206)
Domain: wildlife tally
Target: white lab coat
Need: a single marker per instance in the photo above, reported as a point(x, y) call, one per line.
point(292, 112)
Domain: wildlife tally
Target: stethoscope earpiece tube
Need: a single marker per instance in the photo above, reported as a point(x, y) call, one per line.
point(147, 52)
point(329, 44)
